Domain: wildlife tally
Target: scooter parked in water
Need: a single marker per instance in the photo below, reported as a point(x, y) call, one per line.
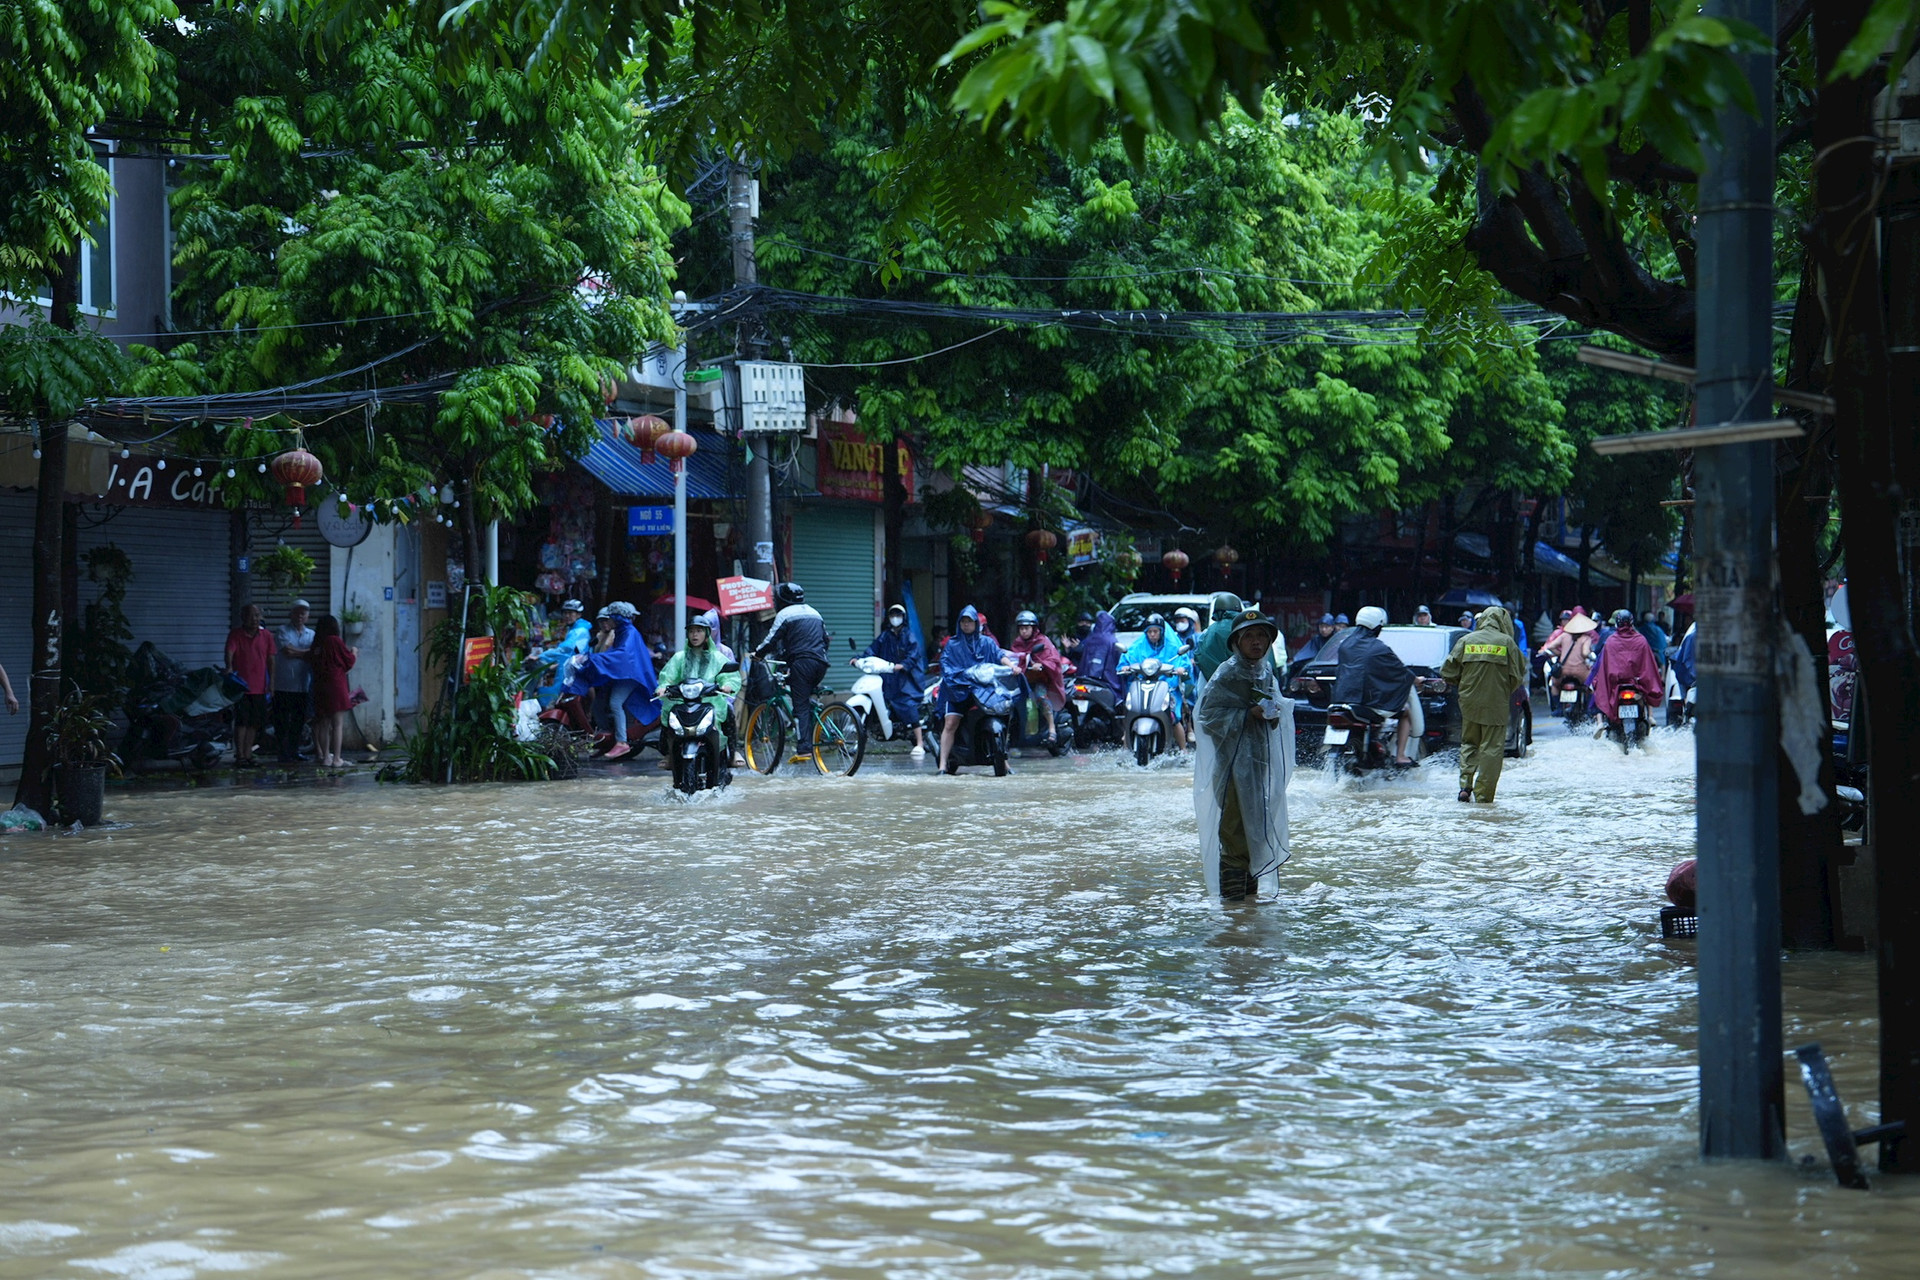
point(699, 753)
point(1631, 722)
point(1149, 709)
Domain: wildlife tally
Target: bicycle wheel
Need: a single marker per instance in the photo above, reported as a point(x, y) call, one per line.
point(839, 739)
point(766, 737)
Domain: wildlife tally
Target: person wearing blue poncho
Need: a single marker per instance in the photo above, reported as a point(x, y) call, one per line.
point(1158, 642)
point(578, 640)
point(900, 645)
point(626, 668)
point(966, 648)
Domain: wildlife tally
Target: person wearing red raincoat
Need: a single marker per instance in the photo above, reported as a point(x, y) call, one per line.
point(1626, 659)
point(1045, 666)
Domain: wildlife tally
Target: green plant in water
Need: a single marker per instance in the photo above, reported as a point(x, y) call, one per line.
point(286, 567)
point(469, 736)
point(99, 653)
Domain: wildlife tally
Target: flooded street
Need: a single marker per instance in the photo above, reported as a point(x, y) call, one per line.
point(892, 1026)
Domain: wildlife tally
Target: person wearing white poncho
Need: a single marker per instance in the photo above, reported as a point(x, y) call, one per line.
point(1243, 761)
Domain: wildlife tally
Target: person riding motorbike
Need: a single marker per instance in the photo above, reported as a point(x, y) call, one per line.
point(1157, 642)
point(625, 668)
point(701, 660)
point(1571, 652)
point(1372, 676)
point(1186, 627)
point(1656, 637)
point(1322, 633)
point(798, 638)
point(1212, 648)
point(1082, 628)
point(902, 686)
point(1099, 660)
point(1045, 669)
point(966, 648)
point(576, 638)
point(1626, 660)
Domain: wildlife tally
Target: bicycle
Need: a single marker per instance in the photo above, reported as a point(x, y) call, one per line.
point(839, 734)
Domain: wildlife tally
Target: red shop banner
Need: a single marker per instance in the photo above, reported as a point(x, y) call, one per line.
point(851, 466)
point(744, 595)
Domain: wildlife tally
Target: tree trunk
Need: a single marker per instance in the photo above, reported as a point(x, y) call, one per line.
point(49, 558)
point(1420, 553)
point(1447, 532)
point(1810, 846)
point(1843, 239)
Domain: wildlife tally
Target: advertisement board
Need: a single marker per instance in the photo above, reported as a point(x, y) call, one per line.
point(851, 466)
point(744, 595)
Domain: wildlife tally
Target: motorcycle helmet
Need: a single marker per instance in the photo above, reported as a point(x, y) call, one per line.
point(1155, 620)
point(1026, 618)
point(1224, 605)
point(1623, 618)
point(1371, 618)
point(896, 611)
point(789, 593)
point(1565, 615)
point(1193, 619)
point(572, 606)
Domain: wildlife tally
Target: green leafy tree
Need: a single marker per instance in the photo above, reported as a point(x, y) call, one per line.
point(66, 68)
point(509, 232)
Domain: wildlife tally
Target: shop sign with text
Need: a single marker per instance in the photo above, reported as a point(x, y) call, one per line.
point(142, 481)
point(851, 466)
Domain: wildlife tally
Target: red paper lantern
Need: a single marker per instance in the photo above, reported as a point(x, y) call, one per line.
point(295, 470)
point(1226, 557)
point(1042, 541)
point(644, 432)
point(982, 521)
point(1175, 560)
point(677, 447)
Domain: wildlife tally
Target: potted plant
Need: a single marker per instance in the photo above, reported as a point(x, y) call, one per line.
point(353, 620)
point(288, 568)
point(77, 732)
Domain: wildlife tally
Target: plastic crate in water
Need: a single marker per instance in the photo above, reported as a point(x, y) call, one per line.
point(1677, 922)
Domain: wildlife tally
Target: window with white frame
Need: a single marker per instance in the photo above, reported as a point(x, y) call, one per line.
point(96, 259)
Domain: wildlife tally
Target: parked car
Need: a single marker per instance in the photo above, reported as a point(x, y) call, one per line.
point(1423, 649)
point(1130, 615)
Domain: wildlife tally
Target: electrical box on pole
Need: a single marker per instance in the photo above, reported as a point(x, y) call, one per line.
point(773, 397)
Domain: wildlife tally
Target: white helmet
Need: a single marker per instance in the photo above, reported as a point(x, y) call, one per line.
point(1371, 618)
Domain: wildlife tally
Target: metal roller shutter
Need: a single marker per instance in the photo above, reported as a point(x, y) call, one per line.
point(179, 594)
point(16, 619)
point(318, 589)
point(833, 560)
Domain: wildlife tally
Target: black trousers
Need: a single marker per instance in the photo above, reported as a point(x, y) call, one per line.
point(803, 677)
point(289, 716)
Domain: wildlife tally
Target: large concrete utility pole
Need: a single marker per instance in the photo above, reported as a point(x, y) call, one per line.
point(741, 202)
point(1741, 1070)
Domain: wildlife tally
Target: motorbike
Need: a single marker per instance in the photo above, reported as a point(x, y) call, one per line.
point(1096, 714)
point(1359, 740)
point(983, 734)
point(868, 699)
point(1062, 719)
point(699, 753)
point(573, 713)
point(1149, 709)
point(1631, 722)
point(176, 714)
point(1570, 697)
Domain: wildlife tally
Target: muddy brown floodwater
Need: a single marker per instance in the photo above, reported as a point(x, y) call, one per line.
point(893, 1026)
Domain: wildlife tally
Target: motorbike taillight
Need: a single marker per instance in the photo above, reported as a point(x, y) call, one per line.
point(1339, 720)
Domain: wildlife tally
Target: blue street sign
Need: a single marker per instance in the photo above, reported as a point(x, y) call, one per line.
point(645, 522)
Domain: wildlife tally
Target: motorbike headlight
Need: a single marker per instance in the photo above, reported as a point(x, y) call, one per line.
point(690, 690)
point(1150, 668)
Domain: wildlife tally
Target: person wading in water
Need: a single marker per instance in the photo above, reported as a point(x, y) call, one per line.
point(1243, 760)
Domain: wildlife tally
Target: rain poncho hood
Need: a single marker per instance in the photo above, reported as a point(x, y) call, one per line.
point(1488, 664)
point(1046, 667)
point(625, 659)
point(1099, 656)
point(1627, 659)
point(1231, 754)
point(962, 652)
point(1168, 650)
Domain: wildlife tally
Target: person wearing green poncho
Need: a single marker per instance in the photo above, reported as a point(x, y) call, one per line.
point(1211, 649)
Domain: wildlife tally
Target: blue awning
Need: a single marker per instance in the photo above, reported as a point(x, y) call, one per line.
point(617, 465)
point(1546, 559)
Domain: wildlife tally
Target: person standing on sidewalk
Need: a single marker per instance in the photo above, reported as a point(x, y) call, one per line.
point(1487, 665)
point(292, 678)
point(250, 656)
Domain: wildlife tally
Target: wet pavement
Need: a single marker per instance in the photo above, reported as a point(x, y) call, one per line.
point(892, 1026)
